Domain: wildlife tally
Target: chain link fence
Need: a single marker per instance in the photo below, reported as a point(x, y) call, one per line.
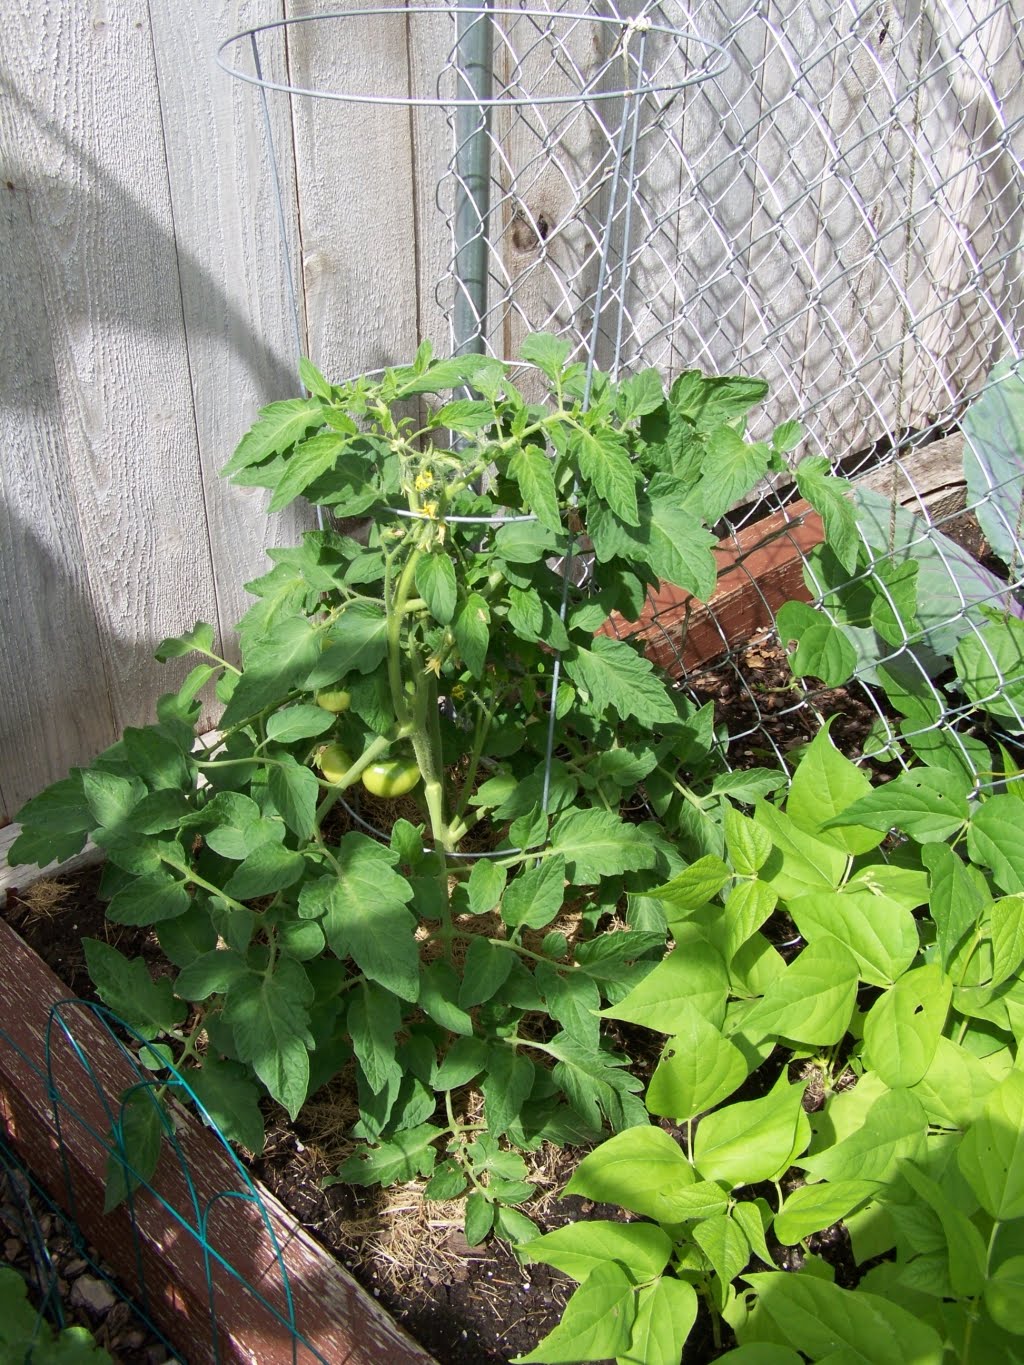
point(839, 209)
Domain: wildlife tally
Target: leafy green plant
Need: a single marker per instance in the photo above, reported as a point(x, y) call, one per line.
point(867, 1073)
point(902, 604)
point(26, 1337)
point(452, 655)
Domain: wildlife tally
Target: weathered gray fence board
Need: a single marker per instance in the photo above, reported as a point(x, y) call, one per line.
point(237, 314)
point(54, 708)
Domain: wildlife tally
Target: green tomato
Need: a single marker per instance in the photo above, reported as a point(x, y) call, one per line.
point(334, 699)
point(333, 762)
point(394, 777)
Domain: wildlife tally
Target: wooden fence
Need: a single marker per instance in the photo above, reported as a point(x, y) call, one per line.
point(144, 315)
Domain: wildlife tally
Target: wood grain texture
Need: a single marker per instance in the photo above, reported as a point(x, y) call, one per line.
point(84, 120)
point(354, 170)
point(238, 319)
point(55, 709)
point(251, 1238)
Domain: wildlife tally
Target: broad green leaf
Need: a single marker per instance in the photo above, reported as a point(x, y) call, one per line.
point(157, 759)
point(233, 826)
point(822, 1319)
point(435, 583)
point(724, 1243)
point(800, 862)
point(991, 1155)
point(818, 648)
point(604, 463)
point(824, 785)
point(990, 665)
point(669, 538)
point(404, 1156)
point(614, 675)
point(694, 886)
point(506, 1087)
point(367, 917)
point(813, 1000)
point(135, 1149)
point(811, 1208)
point(640, 1169)
point(958, 896)
point(965, 1247)
point(919, 802)
point(298, 722)
point(275, 664)
point(578, 1249)
point(572, 999)
point(472, 632)
point(374, 1017)
point(269, 1017)
point(295, 792)
point(750, 1141)
point(200, 639)
point(230, 1097)
point(894, 1129)
point(692, 976)
point(747, 907)
point(595, 1082)
point(486, 969)
point(486, 886)
point(731, 468)
point(666, 1311)
point(994, 458)
point(463, 1061)
point(954, 1088)
point(597, 1322)
point(902, 1028)
point(547, 352)
point(308, 461)
point(762, 1353)
point(639, 395)
point(356, 643)
point(149, 900)
point(882, 936)
point(826, 494)
point(698, 1068)
point(439, 998)
point(598, 843)
point(536, 896)
point(532, 469)
point(209, 974)
point(124, 984)
point(188, 936)
point(1004, 1295)
point(747, 844)
point(994, 839)
point(279, 426)
point(1007, 929)
point(268, 868)
point(479, 1218)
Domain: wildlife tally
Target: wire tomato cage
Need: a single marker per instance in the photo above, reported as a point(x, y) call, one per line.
point(538, 105)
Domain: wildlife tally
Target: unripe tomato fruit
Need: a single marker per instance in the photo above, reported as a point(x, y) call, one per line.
point(394, 777)
point(333, 762)
point(334, 699)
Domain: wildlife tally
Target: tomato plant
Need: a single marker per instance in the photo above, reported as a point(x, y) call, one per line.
point(509, 513)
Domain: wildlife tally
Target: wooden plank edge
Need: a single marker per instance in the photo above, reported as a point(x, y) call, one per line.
point(338, 1319)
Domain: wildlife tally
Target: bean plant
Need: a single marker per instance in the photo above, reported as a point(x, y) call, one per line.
point(845, 1008)
point(452, 646)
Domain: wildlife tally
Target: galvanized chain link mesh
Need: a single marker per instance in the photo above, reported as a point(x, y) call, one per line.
point(840, 211)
